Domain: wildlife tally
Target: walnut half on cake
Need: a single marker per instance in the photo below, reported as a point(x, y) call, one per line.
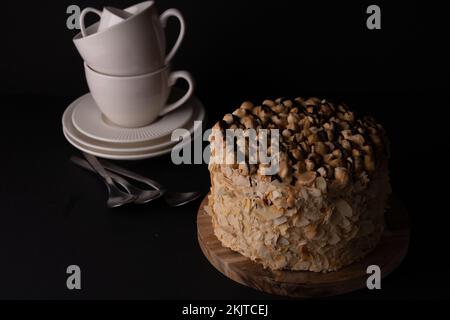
point(325, 207)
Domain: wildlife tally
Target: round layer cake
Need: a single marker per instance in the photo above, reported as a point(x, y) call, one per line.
point(324, 209)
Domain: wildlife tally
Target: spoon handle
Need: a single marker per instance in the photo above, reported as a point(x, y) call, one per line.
point(98, 167)
point(116, 197)
point(115, 168)
point(142, 196)
point(84, 164)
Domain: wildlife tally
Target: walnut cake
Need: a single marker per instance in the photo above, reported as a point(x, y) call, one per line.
point(324, 209)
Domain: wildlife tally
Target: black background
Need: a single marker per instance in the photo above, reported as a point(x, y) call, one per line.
point(53, 214)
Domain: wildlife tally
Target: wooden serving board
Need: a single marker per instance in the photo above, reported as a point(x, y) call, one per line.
point(305, 284)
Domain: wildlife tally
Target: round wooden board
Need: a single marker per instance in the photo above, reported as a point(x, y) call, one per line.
point(304, 284)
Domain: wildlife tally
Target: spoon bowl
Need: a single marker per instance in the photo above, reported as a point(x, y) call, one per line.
point(176, 199)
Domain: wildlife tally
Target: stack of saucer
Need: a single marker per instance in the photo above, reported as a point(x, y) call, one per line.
point(132, 107)
point(88, 130)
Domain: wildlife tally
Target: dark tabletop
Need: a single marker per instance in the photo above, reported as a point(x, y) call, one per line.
point(54, 215)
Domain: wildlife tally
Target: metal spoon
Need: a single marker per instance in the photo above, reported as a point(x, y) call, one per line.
point(141, 196)
point(116, 197)
point(172, 198)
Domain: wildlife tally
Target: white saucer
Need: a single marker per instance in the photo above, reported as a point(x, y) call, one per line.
point(126, 151)
point(88, 119)
point(119, 155)
point(147, 146)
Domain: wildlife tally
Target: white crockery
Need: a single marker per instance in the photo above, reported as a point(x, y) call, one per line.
point(132, 151)
point(133, 46)
point(118, 155)
point(136, 101)
point(88, 120)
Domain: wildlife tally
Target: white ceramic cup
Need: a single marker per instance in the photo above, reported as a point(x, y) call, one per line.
point(130, 47)
point(135, 101)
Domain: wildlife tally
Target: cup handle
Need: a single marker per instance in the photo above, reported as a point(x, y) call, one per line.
point(83, 14)
point(163, 18)
point(173, 77)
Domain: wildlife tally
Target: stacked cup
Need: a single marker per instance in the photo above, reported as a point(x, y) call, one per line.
point(126, 66)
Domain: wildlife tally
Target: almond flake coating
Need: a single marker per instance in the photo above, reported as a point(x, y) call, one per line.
point(325, 207)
